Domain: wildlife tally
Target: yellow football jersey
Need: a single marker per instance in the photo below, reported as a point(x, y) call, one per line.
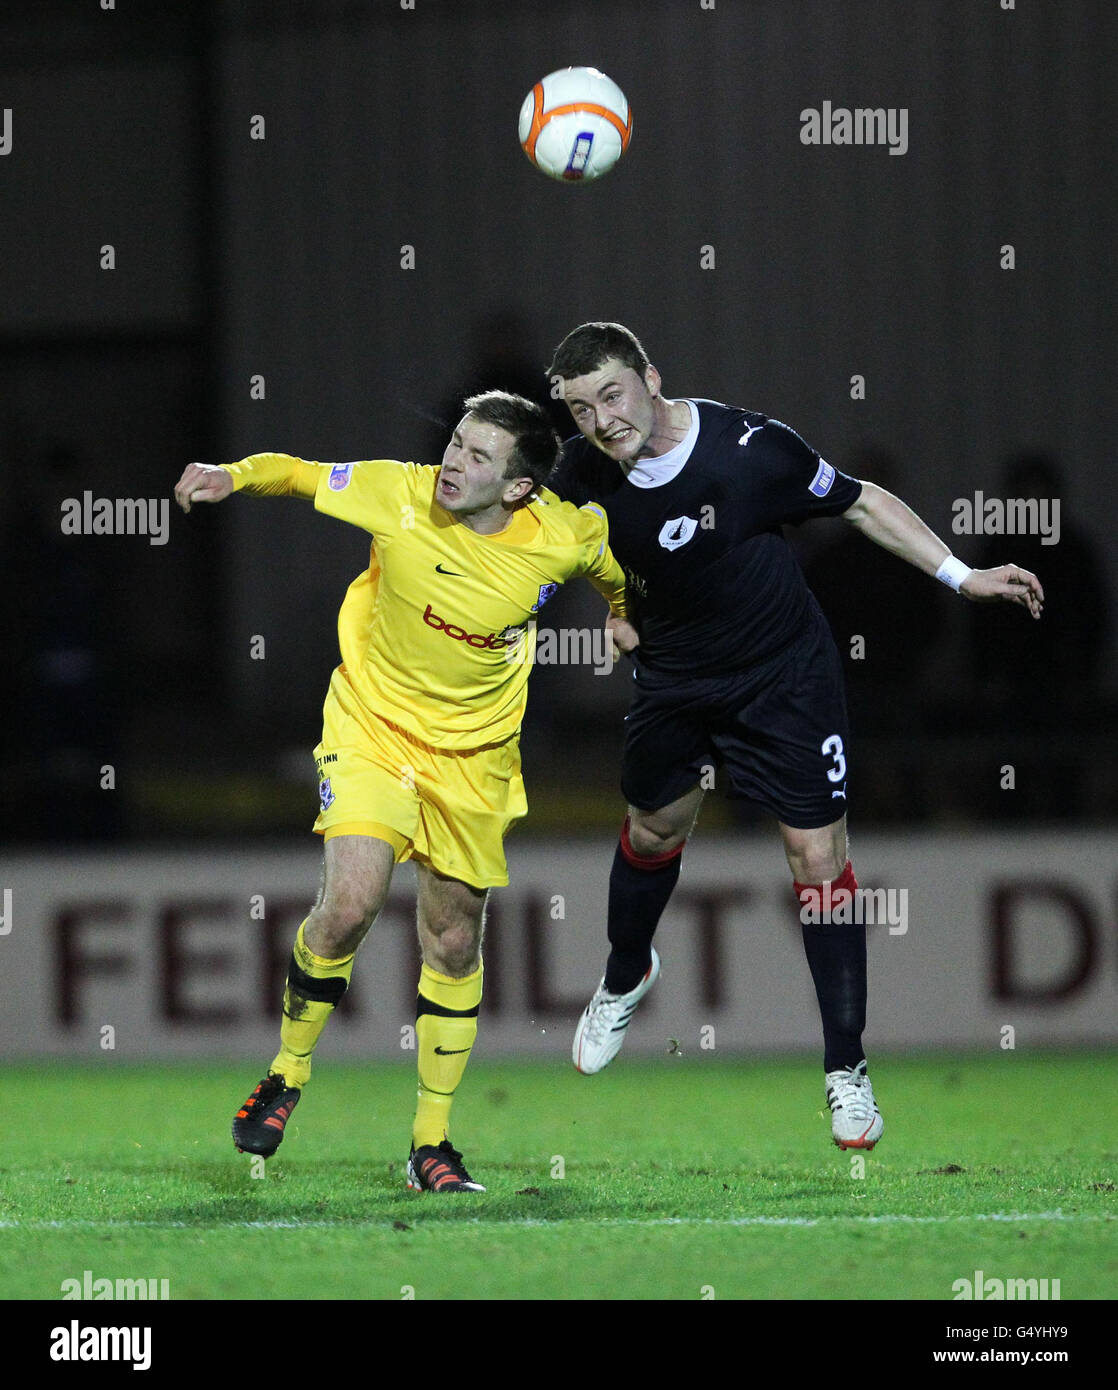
point(437, 635)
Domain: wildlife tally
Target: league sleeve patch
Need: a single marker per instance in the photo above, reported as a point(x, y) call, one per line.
point(546, 590)
point(824, 477)
point(340, 475)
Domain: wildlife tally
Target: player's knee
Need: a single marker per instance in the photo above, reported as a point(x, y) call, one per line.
point(453, 948)
point(342, 920)
point(647, 839)
point(811, 865)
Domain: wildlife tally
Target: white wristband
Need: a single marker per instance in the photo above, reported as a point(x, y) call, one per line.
point(953, 573)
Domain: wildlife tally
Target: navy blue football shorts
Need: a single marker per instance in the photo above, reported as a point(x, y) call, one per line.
point(777, 731)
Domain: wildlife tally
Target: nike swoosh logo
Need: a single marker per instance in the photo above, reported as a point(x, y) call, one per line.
point(450, 1052)
point(455, 573)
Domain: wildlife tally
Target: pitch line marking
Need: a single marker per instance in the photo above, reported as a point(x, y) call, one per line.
point(295, 1223)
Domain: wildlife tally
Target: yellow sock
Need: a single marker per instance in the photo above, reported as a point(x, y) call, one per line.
point(445, 1029)
point(314, 987)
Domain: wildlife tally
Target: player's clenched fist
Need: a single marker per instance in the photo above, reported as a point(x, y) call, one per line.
point(623, 634)
point(203, 482)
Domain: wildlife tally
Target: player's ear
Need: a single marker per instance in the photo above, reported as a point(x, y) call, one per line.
point(517, 491)
point(652, 380)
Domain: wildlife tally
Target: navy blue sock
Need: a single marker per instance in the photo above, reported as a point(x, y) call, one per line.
point(639, 890)
point(836, 955)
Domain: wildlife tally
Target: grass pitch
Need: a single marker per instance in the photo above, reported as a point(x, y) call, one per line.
point(665, 1179)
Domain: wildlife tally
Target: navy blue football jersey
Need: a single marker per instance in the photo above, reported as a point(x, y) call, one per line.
point(713, 584)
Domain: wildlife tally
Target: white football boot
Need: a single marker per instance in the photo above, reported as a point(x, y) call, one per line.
point(856, 1122)
point(601, 1029)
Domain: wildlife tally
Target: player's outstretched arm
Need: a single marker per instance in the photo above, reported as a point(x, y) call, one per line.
point(261, 475)
point(203, 482)
point(888, 522)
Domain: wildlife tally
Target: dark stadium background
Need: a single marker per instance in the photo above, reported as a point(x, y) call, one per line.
point(388, 127)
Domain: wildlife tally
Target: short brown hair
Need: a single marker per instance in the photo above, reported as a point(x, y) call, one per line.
point(591, 345)
point(537, 445)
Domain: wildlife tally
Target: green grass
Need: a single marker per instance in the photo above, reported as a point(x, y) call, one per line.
point(678, 1174)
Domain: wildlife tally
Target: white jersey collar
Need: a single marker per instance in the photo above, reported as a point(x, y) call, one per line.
point(655, 472)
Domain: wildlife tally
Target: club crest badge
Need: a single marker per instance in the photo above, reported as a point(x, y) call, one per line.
point(675, 533)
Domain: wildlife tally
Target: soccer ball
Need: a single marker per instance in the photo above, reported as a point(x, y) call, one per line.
point(575, 124)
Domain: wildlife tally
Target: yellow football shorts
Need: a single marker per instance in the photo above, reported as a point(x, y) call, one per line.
point(447, 808)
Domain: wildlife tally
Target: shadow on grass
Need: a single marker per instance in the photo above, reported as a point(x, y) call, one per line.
point(349, 1192)
point(301, 1190)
